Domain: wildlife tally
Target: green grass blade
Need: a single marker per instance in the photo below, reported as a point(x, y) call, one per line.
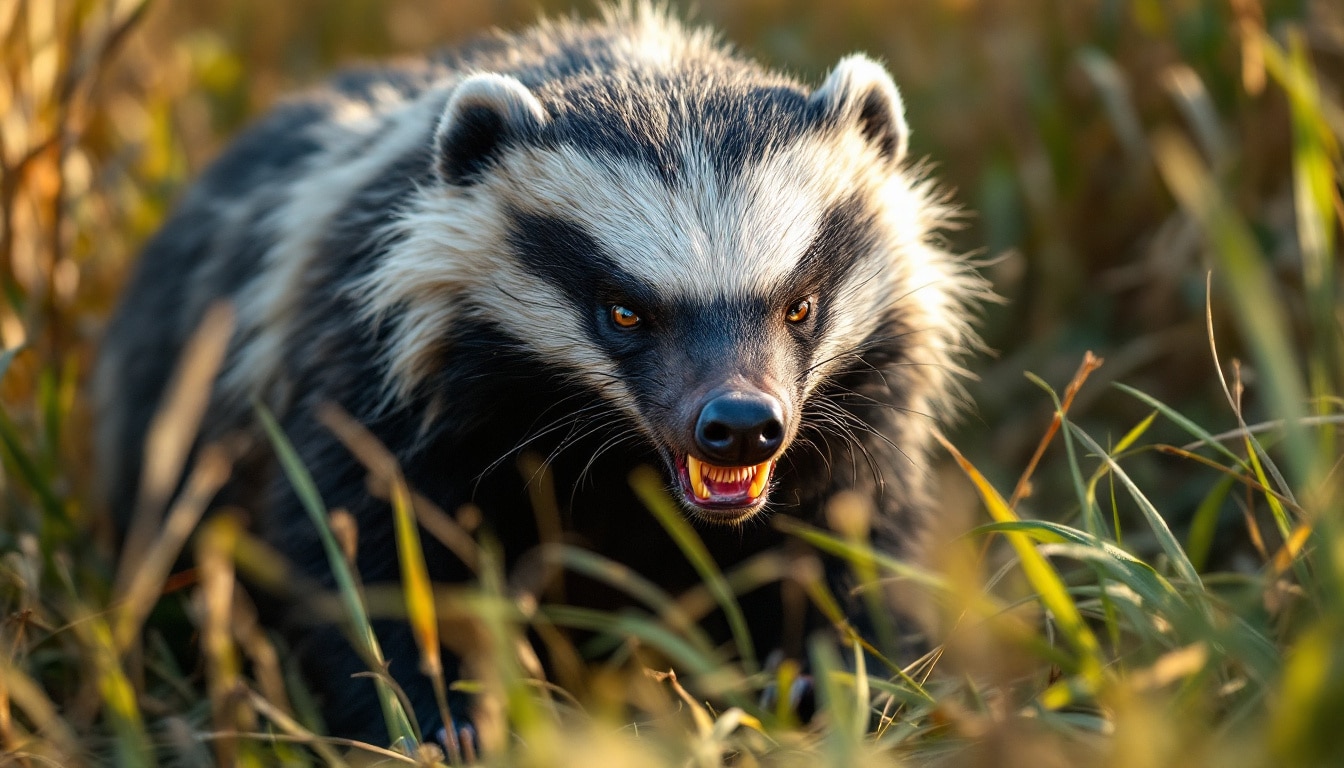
point(833, 545)
point(625, 579)
point(1246, 273)
point(118, 695)
point(829, 675)
point(400, 727)
point(417, 591)
point(1315, 153)
point(1179, 419)
point(681, 653)
point(1054, 595)
point(1133, 434)
point(32, 476)
point(1170, 546)
point(1110, 83)
point(1091, 515)
point(652, 492)
point(1204, 524)
point(1119, 564)
point(49, 388)
point(1316, 170)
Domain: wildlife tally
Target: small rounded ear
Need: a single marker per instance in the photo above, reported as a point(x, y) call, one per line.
point(485, 114)
point(859, 91)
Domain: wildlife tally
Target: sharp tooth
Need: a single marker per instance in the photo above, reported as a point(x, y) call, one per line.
point(762, 477)
point(695, 469)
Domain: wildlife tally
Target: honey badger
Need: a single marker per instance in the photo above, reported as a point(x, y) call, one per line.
point(612, 243)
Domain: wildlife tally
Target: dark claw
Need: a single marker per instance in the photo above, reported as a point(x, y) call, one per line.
point(802, 699)
point(459, 743)
point(801, 694)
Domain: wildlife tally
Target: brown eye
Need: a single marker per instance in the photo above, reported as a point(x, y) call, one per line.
point(624, 317)
point(799, 311)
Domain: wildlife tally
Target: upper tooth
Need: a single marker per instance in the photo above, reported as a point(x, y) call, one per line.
point(695, 469)
point(702, 472)
point(758, 482)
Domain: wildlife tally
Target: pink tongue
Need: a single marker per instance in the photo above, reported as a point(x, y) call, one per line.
point(727, 487)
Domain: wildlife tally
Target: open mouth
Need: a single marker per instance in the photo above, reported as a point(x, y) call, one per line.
point(712, 488)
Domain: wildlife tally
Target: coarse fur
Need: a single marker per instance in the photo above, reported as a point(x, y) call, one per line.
point(438, 247)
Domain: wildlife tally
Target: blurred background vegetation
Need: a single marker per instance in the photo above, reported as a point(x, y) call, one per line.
point(1085, 139)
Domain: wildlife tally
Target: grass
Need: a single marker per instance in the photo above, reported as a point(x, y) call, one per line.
point(1143, 561)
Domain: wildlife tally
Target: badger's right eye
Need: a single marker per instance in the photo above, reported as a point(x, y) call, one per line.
point(624, 317)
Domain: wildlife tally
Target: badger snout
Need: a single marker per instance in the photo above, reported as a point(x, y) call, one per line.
point(735, 435)
point(740, 428)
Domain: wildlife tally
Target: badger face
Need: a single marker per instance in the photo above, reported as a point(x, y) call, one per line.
point(702, 255)
point(714, 379)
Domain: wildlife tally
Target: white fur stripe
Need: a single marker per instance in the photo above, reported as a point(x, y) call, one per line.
point(359, 148)
point(698, 238)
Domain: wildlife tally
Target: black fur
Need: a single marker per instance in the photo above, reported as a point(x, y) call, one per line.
point(571, 258)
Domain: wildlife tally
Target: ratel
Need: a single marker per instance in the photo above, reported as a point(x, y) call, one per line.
point(612, 243)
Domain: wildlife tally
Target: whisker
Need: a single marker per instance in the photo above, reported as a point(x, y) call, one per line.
point(873, 402)
point(568, 420)
point(868, 428)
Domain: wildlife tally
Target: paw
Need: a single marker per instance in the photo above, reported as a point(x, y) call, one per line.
point(459, 742)
point(801, 698)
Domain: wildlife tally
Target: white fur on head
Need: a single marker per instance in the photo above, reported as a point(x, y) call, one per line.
point(485, 113)
point(860, 91)
point(707, 236)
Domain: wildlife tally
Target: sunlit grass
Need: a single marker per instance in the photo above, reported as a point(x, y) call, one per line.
point(1155, 572)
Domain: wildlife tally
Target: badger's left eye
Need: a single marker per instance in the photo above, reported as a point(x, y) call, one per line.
point(799, 311)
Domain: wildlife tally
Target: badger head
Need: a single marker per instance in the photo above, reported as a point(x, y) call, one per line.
point(703, 246)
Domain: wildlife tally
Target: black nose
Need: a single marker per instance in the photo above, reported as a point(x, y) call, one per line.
point(737, 429)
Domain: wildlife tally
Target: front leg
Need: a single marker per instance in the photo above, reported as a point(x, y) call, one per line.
point(333, 666)
point(338, 676)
